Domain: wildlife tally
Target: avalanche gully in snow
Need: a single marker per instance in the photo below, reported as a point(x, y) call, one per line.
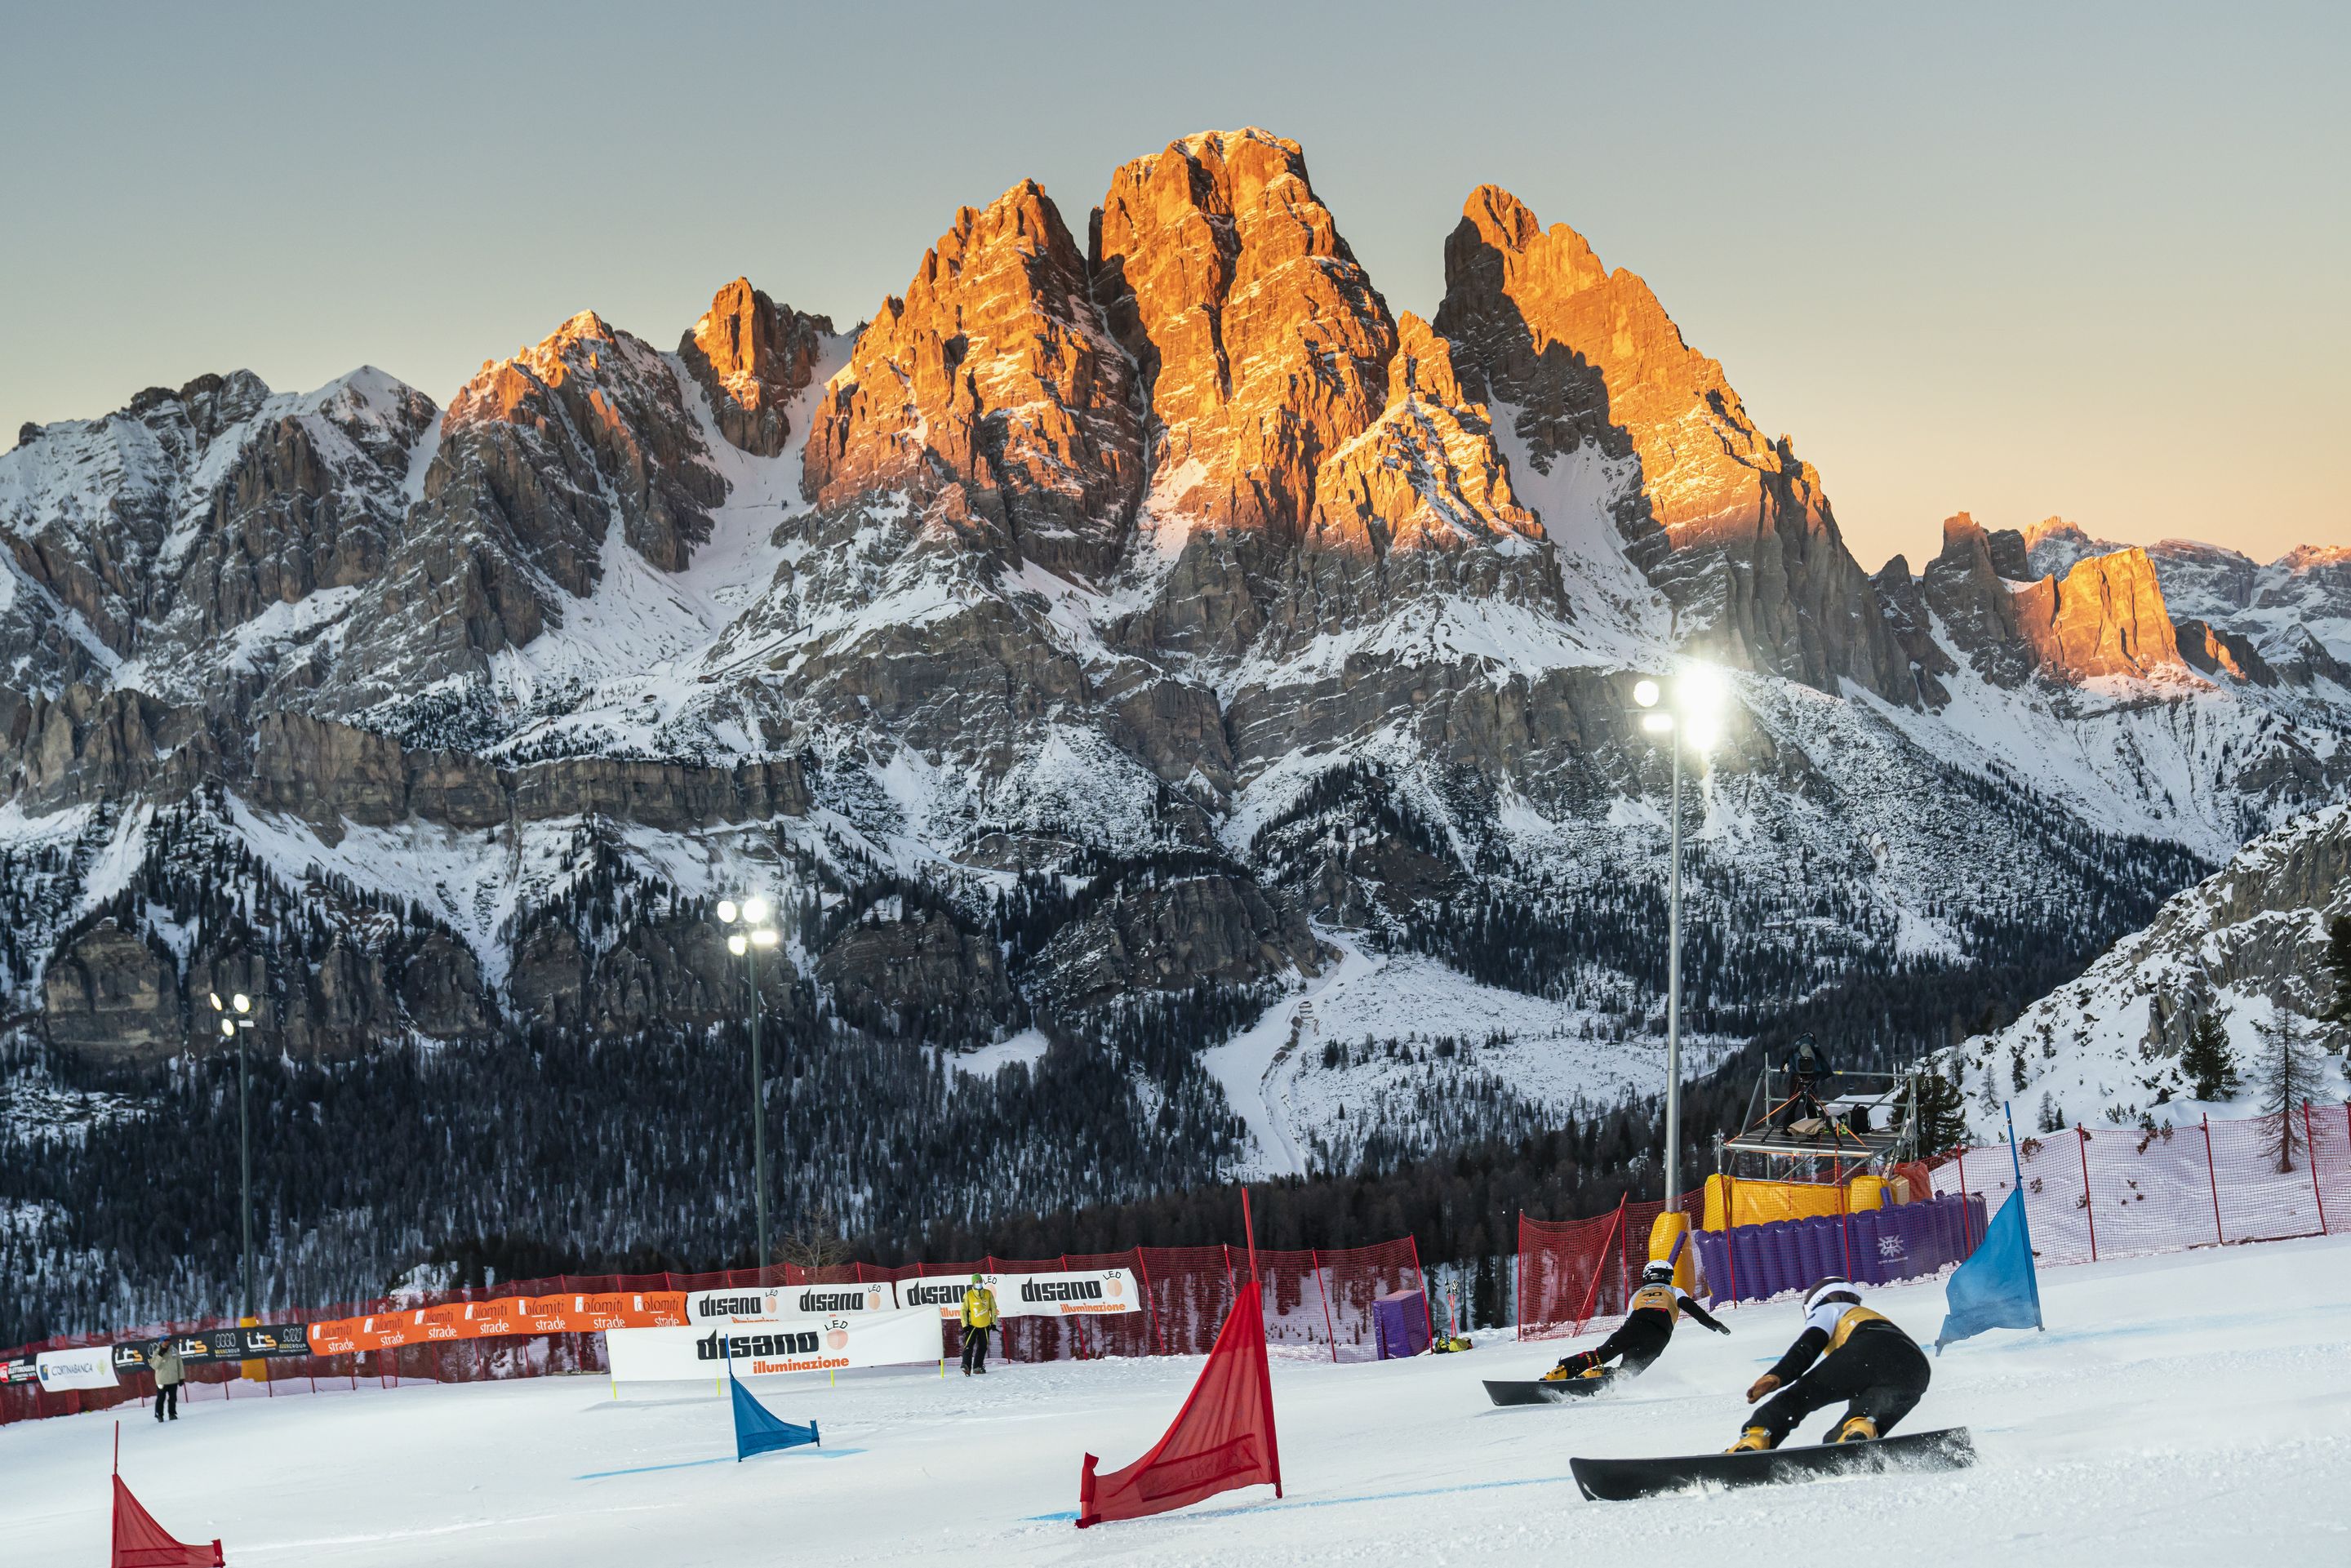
point(1180, 707)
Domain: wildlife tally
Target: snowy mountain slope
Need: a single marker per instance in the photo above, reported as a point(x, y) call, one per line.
point(2105, 1048)
point(2183, 1408)
point(1091, 643)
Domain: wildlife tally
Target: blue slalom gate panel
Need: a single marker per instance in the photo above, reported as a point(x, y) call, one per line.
point(758, 1432)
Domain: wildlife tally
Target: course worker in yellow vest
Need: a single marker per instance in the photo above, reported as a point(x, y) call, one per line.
point(1647, 1329)
point(979, 1317)
point(1846, 1352)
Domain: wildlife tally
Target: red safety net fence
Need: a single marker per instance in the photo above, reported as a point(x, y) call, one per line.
point(1572, 1271)
point(2118, 1193)
point(2122, 1192)
point(1316, 1303)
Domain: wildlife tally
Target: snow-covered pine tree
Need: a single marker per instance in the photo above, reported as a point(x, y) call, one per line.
point(2211, 1065)
point(2053, 1115)
point(2289, 1071)
point(1942, 1119)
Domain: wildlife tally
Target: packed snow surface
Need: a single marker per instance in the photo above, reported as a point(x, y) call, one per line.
point(2193, 1408)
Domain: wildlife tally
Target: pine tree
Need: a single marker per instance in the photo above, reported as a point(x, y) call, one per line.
point(2053, 1115)
point(2016, 1067)
point(2335, 968)
point(1942, 1117)
point(2207, 1060)
point(2289, 1078)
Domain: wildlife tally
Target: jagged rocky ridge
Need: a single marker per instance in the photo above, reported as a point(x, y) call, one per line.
point(1105, 644)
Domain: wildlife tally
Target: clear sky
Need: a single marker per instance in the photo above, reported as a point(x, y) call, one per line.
point(2089, 261)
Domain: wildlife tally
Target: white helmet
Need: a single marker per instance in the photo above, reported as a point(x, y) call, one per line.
point(1831, 1285)
point(1656, 1271)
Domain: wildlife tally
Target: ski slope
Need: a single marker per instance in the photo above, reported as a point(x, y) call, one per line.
point(2183, 1409)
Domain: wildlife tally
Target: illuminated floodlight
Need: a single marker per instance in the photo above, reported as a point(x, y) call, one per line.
point(1657, 723)
point(755, 911)
point(241, 1003)
point(735, 945)
point(765, 937)
point(1700, 689)
point(1645, 693)
point(228, 1028)
point(1701, 731)
point(218, 1006)
point(726, 912)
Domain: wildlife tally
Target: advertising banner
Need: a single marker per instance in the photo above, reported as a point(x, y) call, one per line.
point(571, 1314)
point(59, 1370)
point(1085, 1292)
point(787, 1303)
point(821, 1344)
point(944, 1293)
point(1080, 1293)
point(256, 1343)
point(23, 1369)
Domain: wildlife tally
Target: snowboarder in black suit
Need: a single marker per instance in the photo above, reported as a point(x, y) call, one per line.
point(1846, 1352)
point(1647, 1328)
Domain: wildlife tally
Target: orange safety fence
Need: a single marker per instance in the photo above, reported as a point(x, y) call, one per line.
point(1316, 1303)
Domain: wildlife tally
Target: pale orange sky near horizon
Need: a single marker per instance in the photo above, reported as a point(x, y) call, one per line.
point(2017, 264)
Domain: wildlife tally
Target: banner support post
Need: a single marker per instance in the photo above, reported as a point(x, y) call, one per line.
point(2016, 1162)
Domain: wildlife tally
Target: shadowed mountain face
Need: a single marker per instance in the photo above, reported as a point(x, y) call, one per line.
point(1094, 654)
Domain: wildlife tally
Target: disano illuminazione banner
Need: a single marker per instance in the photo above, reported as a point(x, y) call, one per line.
point(822, 1343)
point(1079, 1292)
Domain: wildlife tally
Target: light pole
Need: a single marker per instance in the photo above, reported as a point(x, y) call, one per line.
point(234, 1027)
point(759, 936)
point(1694, 715)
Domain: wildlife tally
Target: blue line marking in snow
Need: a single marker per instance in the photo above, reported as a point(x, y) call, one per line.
point(648, 1469)
point(813, 1452)
point(1071, 1514)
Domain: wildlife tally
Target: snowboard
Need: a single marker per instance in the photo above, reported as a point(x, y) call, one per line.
point(1540, 1393)
point(1618, 1480)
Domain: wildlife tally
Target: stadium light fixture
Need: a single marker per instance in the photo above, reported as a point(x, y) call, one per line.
point(753, 912)
point(236, 1018)
point(1689, 716)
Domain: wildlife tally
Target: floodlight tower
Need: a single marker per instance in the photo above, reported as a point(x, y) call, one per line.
point(1691, 716)
point(753, 914)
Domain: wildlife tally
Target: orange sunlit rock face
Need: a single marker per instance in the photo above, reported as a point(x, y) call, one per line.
point(992, 394)
point(2105, 617)
point(1264, 346)
point(751, 356)
point(1421, 502)
point(2216, 652)
point(1749, 548)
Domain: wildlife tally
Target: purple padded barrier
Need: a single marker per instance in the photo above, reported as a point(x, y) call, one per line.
point(1888, 1244)
point(1400, 1322)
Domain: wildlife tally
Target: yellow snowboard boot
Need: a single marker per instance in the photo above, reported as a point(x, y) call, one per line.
point(1856, 1430)
point(1754, 1440)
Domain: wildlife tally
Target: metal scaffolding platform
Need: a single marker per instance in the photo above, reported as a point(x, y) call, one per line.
point(1845, 1124)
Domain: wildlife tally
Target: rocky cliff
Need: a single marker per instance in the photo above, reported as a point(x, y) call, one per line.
point(1736, 531)
point(1106, 639)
